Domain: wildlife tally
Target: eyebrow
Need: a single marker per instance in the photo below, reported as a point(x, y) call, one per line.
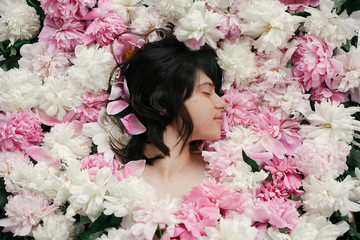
point(206, 83)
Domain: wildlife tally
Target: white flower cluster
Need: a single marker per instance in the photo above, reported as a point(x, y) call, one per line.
point(18, 21)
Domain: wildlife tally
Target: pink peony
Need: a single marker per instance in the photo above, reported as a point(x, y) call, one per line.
point(273, 189)
point(313, 62)
point(19, 131)
point(277, 136)
point(126, 45)
point(285, 170)
point(24, 211)
point(66, 9)
point(193, 219)
point(216, 193)
point(230, 25)
point(324, 93)
point(242, 107)
point(91, 106)
point(93, 163)
point(299, 5)
point(220, 156)
point(62, 34)
point(278, 212)
point(105, 26)
point(320, 159)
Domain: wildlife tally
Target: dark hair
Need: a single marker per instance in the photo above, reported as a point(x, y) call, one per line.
point(160, 77)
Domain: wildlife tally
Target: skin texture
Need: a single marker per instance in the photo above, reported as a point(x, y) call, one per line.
point(176, 174)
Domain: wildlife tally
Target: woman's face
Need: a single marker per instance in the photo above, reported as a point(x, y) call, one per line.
point(205, 108)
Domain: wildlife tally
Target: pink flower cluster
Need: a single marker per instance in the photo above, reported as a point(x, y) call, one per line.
point(313, 62)
point(204, 205)
point(64, 27)
point(25, 211)
point(92, 104)
point(278, 136)
point(299, 5)
point(93, 163)
point(242, 107)
point(19, 131)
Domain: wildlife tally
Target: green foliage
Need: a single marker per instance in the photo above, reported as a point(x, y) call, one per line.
point(254, 166)
point(95, 229)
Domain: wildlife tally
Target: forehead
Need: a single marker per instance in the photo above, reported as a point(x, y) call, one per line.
point(202, 78)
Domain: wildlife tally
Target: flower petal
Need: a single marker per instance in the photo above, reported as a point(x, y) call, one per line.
point(116, 107)
point(134, 168)
point(132, 124)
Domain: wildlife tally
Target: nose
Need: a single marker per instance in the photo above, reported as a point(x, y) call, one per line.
point(221, 104)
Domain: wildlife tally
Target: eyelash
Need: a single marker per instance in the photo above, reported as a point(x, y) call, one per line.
point(207, 93)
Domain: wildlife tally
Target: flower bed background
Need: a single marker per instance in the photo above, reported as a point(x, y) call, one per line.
point(287, 166)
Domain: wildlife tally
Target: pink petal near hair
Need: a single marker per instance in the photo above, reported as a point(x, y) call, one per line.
point(132, 124)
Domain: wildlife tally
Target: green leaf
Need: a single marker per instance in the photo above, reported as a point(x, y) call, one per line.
point(269, 177)
point(283, 230)
point(254, 166)
point(338, 4)
point(352, 6)
point(19, 44)
point(13, 51)
point(353, 159)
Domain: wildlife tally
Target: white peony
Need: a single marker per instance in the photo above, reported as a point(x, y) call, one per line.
point(327, 195)
point(125, 7)
point(66, 144)
point(58, 95)
point(146, 19)
point(326, 24)
point(199, 26)
point(317, 227)
point(272, 234)
point(86, 196)
point(10, 161)
point(268, 22)
point(241, 135)
point(114, 234)
point(38, 58)
point(92, 67)
point(19, 89)
point(238, 227)
point(38, 178)
point(55, 226)
point(173, 9)
point(238, 62)
point(330, 121)
point(18, 21)
point(104, 133)
point(241, 178)
point(221, 4)
point(125, 195)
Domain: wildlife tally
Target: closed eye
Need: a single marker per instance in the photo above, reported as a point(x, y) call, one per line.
point(206, 93)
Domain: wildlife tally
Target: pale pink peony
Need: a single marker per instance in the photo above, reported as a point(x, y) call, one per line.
point(126, 45)
point(62, 34)
point(285, 170)
point(10, 160)
point(321, 159)
point(324, 93)
point(193, 219)
point(67, 9)
point(242, 107)
point(105, 26)
point(24, 211)
point(230, 25)
point(219, 194)
point(19, 131)
point(273, 189)
point(278, 212)
point(219, 157)
point(313, 62)
point(93, 163)
point(278, 136)
point(91, 106)
point(299, 5)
